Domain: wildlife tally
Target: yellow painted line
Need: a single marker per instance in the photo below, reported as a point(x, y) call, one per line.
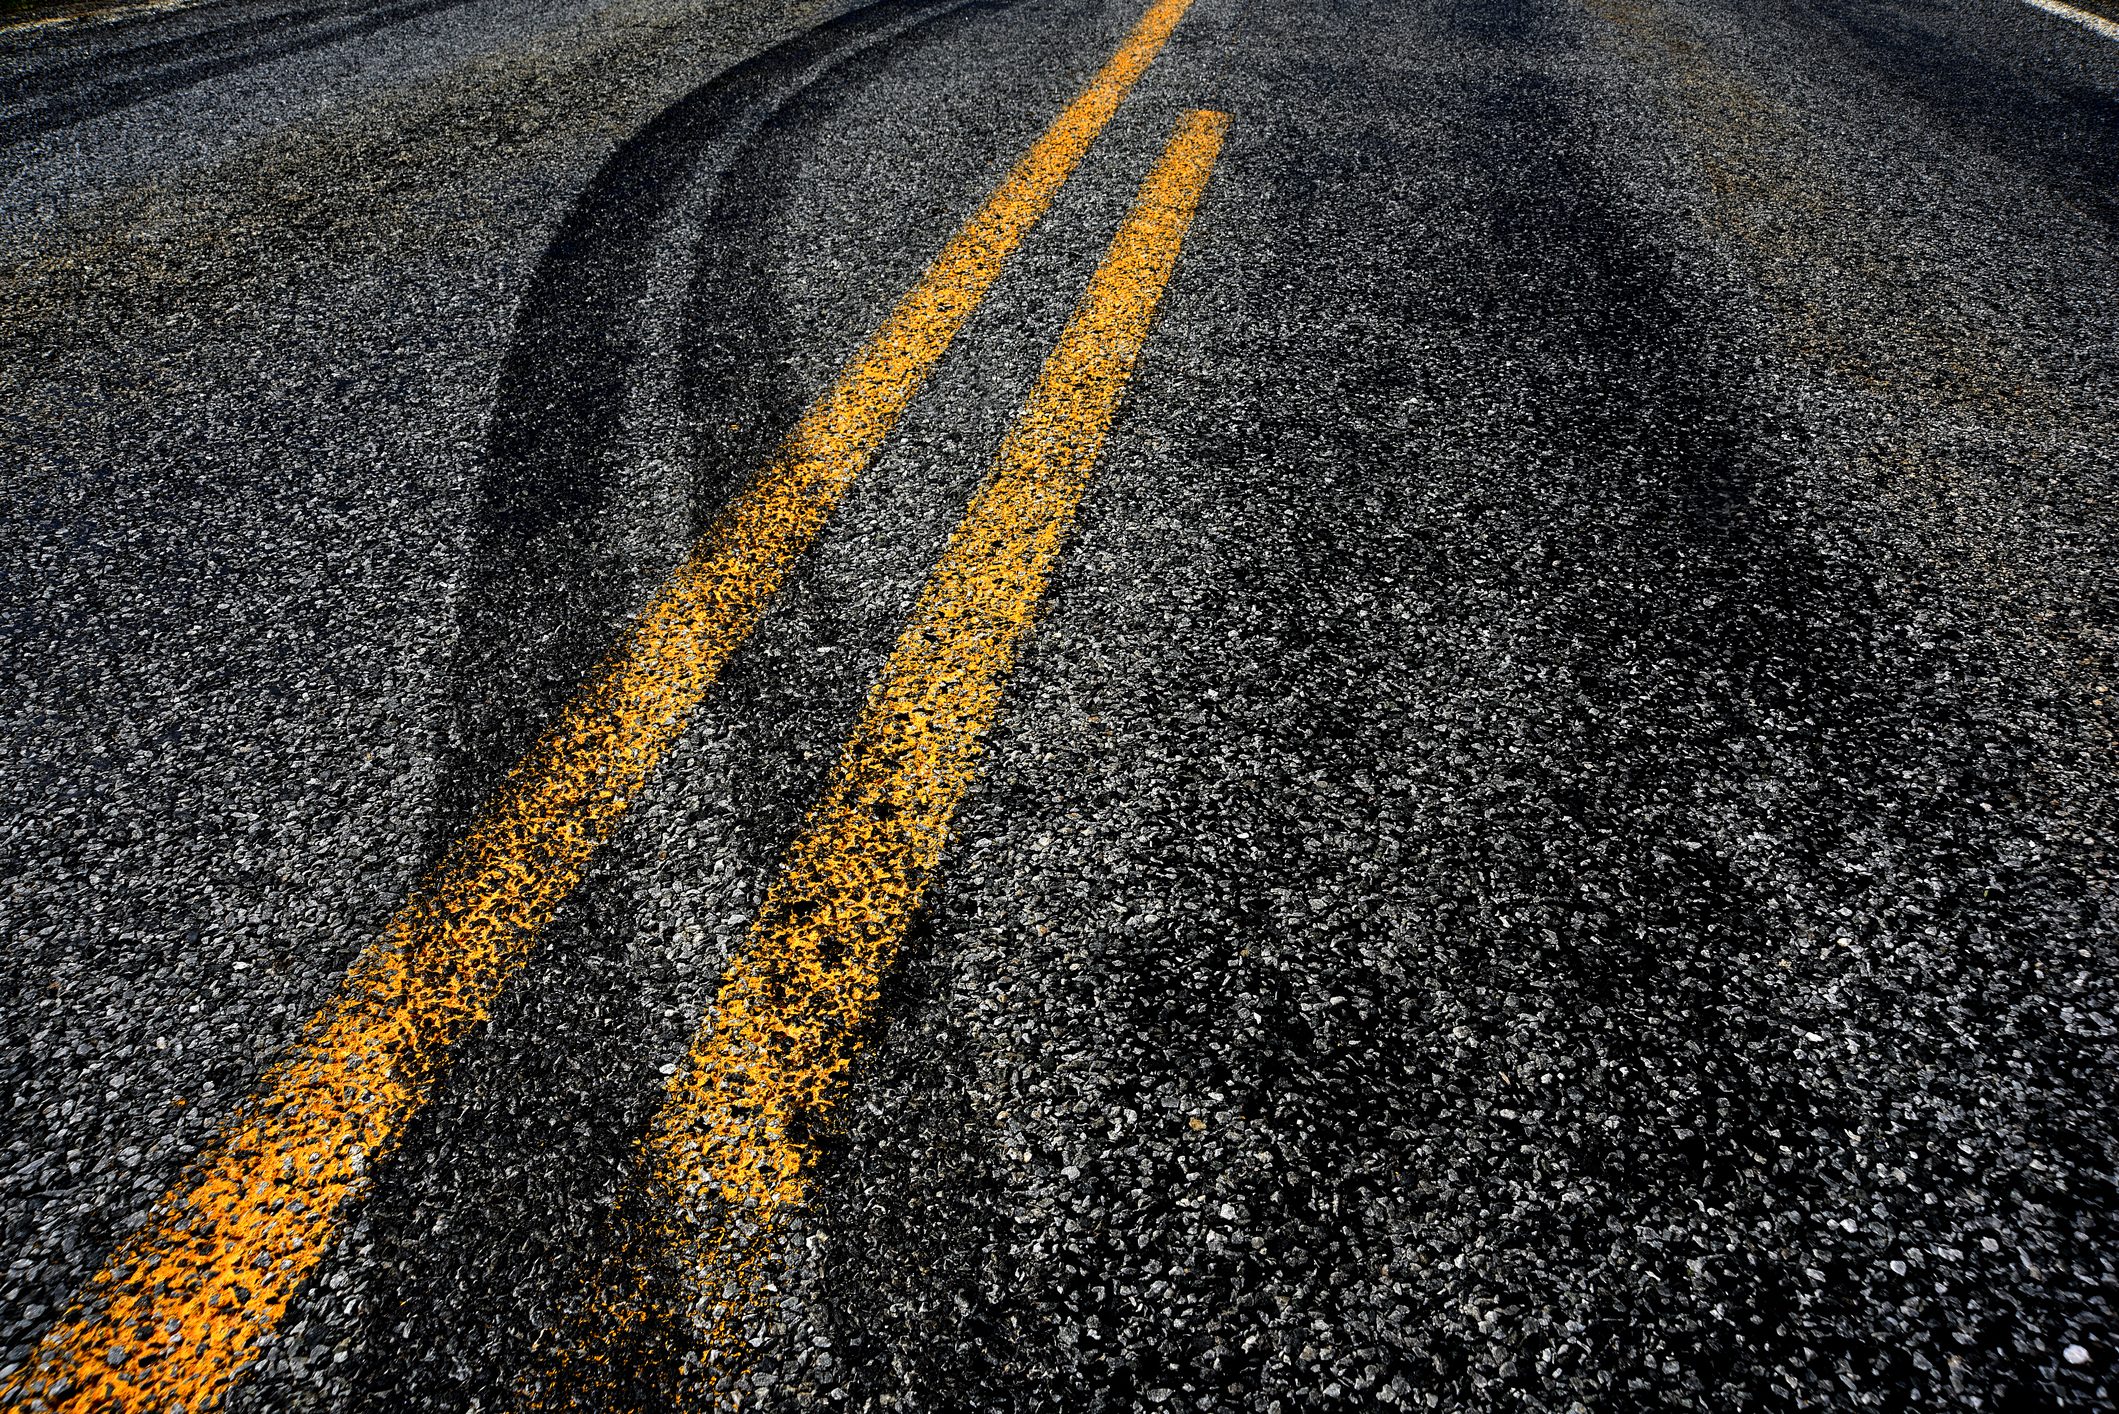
point(181, 1307)
point(2096, 23)
point(729, 1151)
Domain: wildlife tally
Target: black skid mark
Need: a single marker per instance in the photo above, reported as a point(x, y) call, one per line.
point(89, 88)
point(500, 1198)
point(544, 590)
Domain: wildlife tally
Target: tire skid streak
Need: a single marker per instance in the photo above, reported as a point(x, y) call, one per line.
point(63, 74)
point(545, 593)
point(1626, 513)
point(117, 95)
point(186, 1302)
point(587, 1079)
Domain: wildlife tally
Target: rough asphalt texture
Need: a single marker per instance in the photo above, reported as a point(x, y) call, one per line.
point(1555, 846)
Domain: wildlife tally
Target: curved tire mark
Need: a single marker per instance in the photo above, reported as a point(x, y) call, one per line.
point(542, 590)
point(546, 579)
point(117, 95)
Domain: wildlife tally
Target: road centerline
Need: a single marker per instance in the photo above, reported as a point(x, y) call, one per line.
point(184, 1304)
point(729, 1152)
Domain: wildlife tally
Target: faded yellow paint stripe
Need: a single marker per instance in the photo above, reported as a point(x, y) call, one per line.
point(730, 1149)
point(182, 1306)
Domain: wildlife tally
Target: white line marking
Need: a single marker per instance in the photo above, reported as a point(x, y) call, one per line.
point(2103, 26)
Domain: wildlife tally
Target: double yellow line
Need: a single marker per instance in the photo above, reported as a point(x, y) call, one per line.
point(183, 1305)
point(730, 1148)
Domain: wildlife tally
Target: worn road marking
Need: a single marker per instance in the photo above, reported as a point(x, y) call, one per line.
point(2098, 23)
point(728, 1153)
point(181, 1307)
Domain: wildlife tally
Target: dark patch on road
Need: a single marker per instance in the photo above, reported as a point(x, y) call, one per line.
point(1480, 1014)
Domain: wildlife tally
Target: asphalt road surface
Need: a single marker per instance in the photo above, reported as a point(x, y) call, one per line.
point(1060, 705)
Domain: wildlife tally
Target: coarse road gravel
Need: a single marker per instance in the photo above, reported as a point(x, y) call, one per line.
point(1554, 845)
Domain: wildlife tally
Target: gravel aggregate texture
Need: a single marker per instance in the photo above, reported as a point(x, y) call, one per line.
point(1551, 846)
